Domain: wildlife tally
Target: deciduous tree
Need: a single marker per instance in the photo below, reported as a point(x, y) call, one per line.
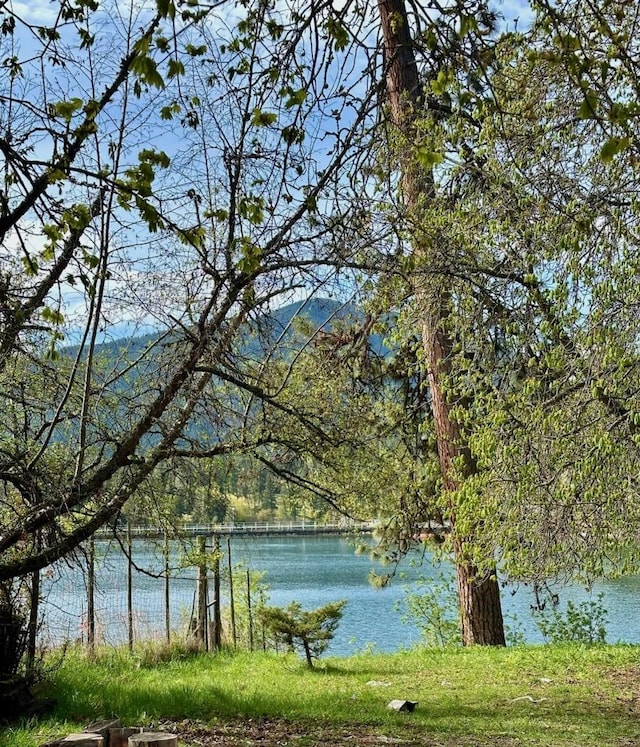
point(162, 173)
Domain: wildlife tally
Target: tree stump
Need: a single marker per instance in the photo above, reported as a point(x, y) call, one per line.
point(120, 737)
point(104, 728)
point(83, 740)
point(153, 739)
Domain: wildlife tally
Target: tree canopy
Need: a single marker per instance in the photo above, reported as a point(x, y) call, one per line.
point(180, 169)
point(162, 173)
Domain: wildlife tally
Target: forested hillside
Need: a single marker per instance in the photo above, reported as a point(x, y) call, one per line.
point(236, 487)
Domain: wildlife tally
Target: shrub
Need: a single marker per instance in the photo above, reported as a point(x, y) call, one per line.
point(432, 605)
point(583, 623)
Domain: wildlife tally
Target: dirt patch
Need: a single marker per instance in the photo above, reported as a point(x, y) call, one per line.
point(268, 732)
point(627, 684)
point(251, 732)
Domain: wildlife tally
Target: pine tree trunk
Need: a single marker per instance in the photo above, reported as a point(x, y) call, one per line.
point(478, 592)
point(480, 608)
point(307, 653)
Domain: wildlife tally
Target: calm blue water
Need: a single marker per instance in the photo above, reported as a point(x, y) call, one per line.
point(312, 570)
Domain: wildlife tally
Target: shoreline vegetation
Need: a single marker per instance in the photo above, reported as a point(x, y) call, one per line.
point(564, 695)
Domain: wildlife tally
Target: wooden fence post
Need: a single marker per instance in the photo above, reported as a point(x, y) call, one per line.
point(129, 586)
point(91, 606)
point(167, 596)
point(216, 637)
point(202, 593)
point(232, 603)
point(34, 606)
point(249, 614)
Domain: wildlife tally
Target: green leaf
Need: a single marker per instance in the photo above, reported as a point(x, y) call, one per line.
point(175, 68)
point(53, 316)
point(156, 157)
point(193, 237)
point(440, 85)
point(48, 253)
point(87, 39)
point(147, 71)
point(91, 108)
point(250, 257)
point(195, 51)
point(149, 214)
point(8, 26)
point(52, 231)
point(191, 119)
point(142, 45)
point(274, 28)
point(293, 135)
point(612, 147)
point(52, 353)
point(162, 43)
point(13, 65)
point(311, 203)
point(31, 267)
point(56, 175)
point(296, 98)
point(167, 112)
point(78, 216)
point(620, 113)
point(428, 158)
point(252, 208)
point(337, 32)
point(589, 105)
point(220, 214)
point(467, 24)
point(262, 119)
point(91, 260)
point(166, 8)
point(66, 109)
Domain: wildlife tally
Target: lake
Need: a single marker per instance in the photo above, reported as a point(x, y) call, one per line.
point(313, 570)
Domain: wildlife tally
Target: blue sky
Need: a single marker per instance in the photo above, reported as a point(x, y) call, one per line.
point(44, 12)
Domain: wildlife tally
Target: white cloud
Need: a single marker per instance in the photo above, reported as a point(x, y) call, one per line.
point(35, 11)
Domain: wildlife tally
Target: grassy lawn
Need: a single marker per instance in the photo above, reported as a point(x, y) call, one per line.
point(530, 695)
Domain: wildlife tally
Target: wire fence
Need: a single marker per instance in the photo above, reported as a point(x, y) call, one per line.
point(139, 584)
point(122, 593)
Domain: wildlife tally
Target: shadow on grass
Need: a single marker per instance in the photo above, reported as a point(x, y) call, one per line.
point(139, 700)
point(454, 704)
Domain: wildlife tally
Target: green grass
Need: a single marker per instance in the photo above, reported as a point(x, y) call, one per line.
point(532, 695)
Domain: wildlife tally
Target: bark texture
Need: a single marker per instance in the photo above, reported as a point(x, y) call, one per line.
point(478, 593)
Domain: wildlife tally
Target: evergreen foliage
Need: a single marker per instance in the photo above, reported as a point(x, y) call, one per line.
point(308, 630)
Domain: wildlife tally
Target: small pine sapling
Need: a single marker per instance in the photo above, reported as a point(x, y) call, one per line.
point(308, 630)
